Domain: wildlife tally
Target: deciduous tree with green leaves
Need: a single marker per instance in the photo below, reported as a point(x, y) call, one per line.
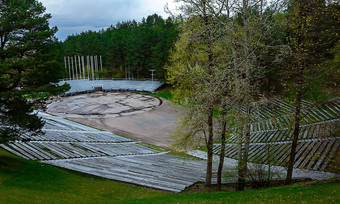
point(199, 72)
point(312, 32)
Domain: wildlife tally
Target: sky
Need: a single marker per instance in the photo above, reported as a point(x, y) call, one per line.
point(76, 16)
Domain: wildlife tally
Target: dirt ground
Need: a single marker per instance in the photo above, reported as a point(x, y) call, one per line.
point(151, 126)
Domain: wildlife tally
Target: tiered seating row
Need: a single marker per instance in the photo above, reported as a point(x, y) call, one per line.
point(274, 119)
point(311, 155)
point(162, 171)
point(318, 139)
point(313, 131)
point(77, 136)
point(55, 123)
point(104, 154)
point(270, 109)
point(65, 150)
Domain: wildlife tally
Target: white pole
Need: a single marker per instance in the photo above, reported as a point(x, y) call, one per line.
point(80, 69)
point(83, 62)
point(69, 68)
point(87, 67)
point(75, 66)
point(152, 74)
point(72, 68)
point(101, 64)
point(92, 67)
point(95, 63)
point(95, 66)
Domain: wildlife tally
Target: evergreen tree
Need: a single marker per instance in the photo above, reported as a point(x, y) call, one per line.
point(137, 46)
point(28, 65)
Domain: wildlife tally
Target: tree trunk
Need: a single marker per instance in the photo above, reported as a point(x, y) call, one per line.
point(209, 149)
point(241, 176)
point(297, 118)
point(300, 64)
point(246, 143)
point(222, 154)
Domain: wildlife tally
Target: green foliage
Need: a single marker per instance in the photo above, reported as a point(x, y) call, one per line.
point(28, 65)
point(312, 34)
point(138, 47)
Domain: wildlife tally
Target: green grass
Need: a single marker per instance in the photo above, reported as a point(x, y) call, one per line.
point(154, 147)
point(23, 181)
point(166, 93)
point(37, 96)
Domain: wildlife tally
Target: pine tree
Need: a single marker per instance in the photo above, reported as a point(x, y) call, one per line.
point(28, 66)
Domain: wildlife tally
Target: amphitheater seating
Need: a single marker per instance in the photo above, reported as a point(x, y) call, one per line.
point(272, 130)
point(87, 86)
point(81, 148)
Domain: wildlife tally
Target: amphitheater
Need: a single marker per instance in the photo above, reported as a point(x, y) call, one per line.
point(123, 108)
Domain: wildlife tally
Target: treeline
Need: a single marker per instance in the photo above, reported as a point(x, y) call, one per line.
point(136, 47)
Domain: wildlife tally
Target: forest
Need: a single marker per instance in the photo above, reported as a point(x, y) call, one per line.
point(137, 47)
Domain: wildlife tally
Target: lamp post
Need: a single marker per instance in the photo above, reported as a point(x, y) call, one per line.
point(152, 74)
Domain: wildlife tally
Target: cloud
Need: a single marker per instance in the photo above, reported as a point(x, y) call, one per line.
point(75, 16)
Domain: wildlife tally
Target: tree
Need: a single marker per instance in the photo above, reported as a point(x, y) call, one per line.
point(198, 72)
point(247, 23)
point(216, 62)
point(28, 66)
point(312, 32)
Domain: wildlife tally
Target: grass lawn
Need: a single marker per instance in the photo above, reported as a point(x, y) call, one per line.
point(23, 181)
point(164, 93)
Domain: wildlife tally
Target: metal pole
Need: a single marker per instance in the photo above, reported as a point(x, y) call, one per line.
point(80, 69)
point(92, 68)
point(152, 74)
point(83, 62)
point(75, 66)
point(69, 68)
point(87, 67)
point(101, 64)
point(72, 68)
point(96, 65)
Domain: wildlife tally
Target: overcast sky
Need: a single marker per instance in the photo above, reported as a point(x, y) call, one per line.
point(75, 16)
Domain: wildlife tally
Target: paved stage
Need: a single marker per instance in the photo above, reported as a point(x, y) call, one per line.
point(137, 116)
